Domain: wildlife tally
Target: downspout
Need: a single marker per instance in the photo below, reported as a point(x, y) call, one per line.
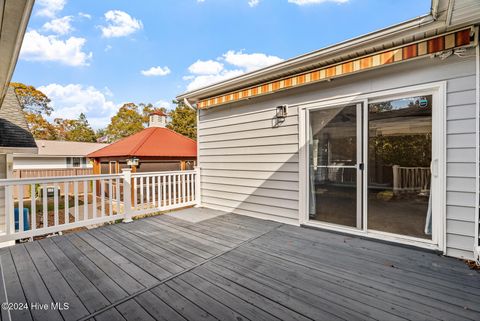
point(199, 200)
point(187, 103)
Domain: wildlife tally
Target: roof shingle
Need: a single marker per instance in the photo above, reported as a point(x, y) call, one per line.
point(13, 126)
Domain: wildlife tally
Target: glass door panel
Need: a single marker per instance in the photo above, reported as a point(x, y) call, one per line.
point(333, 171)
point(399, 157)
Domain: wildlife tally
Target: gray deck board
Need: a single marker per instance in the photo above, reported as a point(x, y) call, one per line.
point(58, 287)
point(35, 290)
point(90, 296)
point(104, 283)
point(12, 283)
point(233, 267)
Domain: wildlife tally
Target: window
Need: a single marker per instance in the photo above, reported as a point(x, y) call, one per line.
point(76, 162)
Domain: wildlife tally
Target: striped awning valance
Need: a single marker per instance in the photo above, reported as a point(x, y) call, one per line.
point(423, 48)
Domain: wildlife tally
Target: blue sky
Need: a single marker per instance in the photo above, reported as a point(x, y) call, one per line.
point(91, 56)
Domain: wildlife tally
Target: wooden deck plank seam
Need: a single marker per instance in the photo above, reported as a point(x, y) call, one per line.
point(4, 294)
point(133, 295)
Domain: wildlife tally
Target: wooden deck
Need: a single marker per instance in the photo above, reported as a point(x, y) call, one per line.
point(231, 268)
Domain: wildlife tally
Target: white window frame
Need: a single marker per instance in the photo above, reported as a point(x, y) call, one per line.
point(438, 92)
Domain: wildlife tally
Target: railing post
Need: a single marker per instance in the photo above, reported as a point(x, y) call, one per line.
point(396, 183)
point(127, 194)
point(198, 195)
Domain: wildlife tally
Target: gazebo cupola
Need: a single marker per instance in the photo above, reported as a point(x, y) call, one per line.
point(157, 119)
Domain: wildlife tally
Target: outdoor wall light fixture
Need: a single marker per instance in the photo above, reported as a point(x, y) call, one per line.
point(280, 115)
point(132, 161)
point(281, 112)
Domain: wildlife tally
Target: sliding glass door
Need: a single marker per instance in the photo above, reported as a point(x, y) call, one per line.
point(399, 158)
point(335, 150)
point(394, 139)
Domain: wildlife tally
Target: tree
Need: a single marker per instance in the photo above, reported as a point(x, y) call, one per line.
point(126, 122)
point(78, 130)
point(40, 127)
point(32, 100)
point(183, 120)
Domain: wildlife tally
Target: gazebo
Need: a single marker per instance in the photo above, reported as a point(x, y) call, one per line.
point(155, 148)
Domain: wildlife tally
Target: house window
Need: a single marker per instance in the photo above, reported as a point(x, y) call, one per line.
point(76, 161)
point(113, 167)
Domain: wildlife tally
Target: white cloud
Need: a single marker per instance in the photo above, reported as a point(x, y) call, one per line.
point(253, 3)
point(49, 8)
point(61, 26)
point(37, 47)
point(120, 24)
point(163, 103)
point(156, 71)
point(250, 62)
point(306, 2)
point(85, 15)
point(207, 72)
point(205, 67)
point(70, 100)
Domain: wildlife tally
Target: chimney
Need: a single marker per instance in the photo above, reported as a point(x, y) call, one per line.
point(157, 119)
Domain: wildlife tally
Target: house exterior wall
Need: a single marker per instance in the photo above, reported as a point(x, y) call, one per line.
point(24, 162)
point(250, 168)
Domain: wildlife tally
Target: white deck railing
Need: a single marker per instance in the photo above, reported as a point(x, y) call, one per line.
point(39, 206)
point(409, 179)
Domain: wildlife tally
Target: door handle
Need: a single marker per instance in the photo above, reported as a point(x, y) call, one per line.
point(361, 166)
point(434, 167)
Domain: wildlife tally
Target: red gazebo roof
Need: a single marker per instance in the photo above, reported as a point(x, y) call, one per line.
point(150, 142)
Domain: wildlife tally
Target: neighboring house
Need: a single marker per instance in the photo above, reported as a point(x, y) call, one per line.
point(55, 154)
point(14, 134)
point(376, 136)
point(155, 148)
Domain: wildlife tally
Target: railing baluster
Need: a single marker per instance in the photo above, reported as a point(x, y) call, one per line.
point(164, 191)
point(159, 192)
point(45, 205)
point(135, 191)
point(10, 215)
point(33, 208)
point(110, 201)
point(153, 192)
point(85, 200)
point(94, 198)
point(169, 190)
point(188, 187)
point(147, 186)
point(183, 200)
point(102, 197)
point(117, 186)
point(66, 186)
point(55, 204)
point(75, 196)
point(141, 192)
point(20, 208)
point(174, 186)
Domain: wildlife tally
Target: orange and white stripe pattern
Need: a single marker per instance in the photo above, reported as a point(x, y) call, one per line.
point(423, 48)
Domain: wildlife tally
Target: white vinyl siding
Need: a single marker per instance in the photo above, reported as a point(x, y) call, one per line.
point(250, 168)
